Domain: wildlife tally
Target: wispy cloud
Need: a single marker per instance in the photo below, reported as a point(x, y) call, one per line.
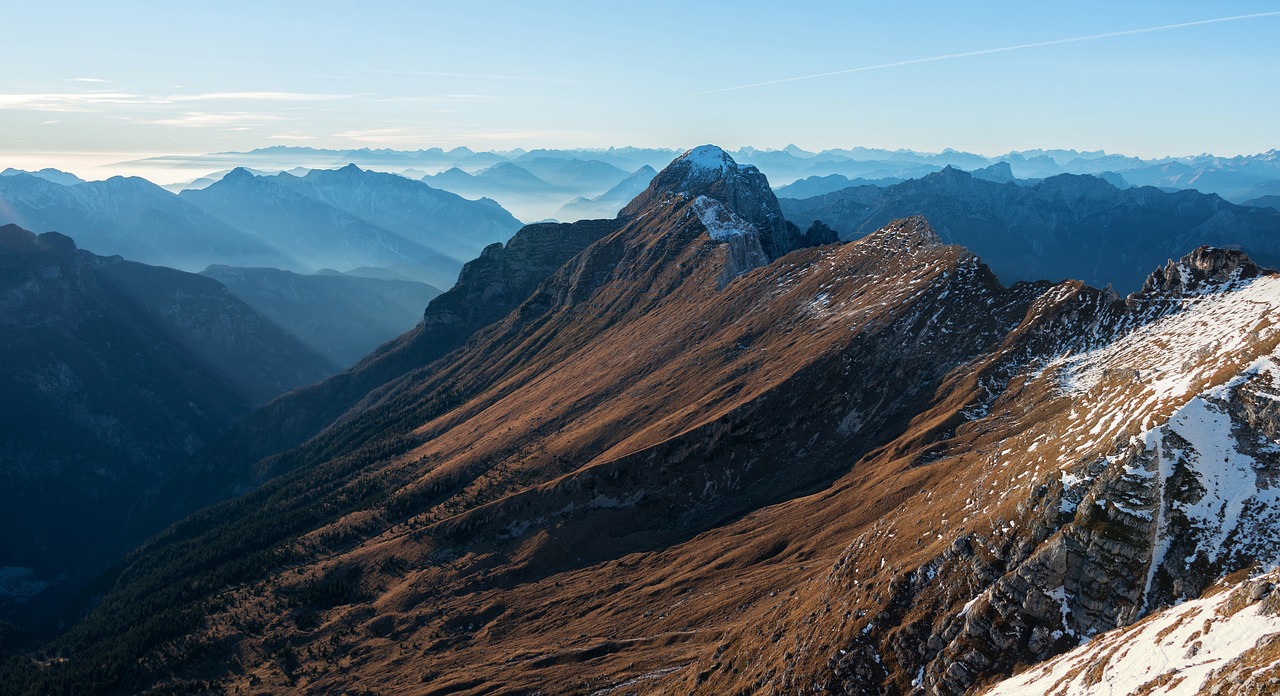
point(441, 99)
point(96, 80)
point(97, 100)
point(383, 136)
point(259, 96)
point(989, 51)
point(72, 101)
point(198, 119)
point(486, 76)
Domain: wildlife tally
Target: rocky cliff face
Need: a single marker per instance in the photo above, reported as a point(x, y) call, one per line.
point(743, 191)
point(1224, 642)
point(1147, 445)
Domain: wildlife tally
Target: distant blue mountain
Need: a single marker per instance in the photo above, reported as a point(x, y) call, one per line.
point(811, 186)
point(349, 217)
point(1234, 178)
point(342, 317)
point(133, 218)
point(1066, 226)
point(607, 204)
point(57, 176)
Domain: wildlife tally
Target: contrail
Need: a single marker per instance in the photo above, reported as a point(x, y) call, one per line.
point(988, 51)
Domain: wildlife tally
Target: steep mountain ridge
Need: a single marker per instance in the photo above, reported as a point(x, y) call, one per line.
point(700, 457)
point(488, 289)
point(494, 384)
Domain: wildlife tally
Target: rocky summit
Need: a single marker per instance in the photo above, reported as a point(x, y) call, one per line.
point(693, 450)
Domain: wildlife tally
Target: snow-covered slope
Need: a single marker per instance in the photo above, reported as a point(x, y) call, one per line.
point(1226, 643)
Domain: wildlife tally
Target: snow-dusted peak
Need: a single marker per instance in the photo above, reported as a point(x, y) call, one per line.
point(702, 166)
point(905, 234)
point(741, 189)
point(708, 157)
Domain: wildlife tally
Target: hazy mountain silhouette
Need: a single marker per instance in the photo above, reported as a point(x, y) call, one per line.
point(607, 204)
point(341, 317)
point(134, 218)
point(1066, 226)
point(350, 218)
point(116, 373)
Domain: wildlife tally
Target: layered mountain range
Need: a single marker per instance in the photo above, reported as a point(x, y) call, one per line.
point(349, 217)
point(1066, 226)
point(133, 218)
point(696, 450)
point(115, 373)
point(1237, 179)
point(341, 316)
point(344, 219)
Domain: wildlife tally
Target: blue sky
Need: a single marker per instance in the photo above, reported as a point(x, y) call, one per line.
point(103, 81)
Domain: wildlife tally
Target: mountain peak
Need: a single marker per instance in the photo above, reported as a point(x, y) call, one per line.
point(704, 167)
point(238, 174)
point(705, 161)
point(905, 234)
point(950, 173)
point(743, 190)
point(1204, 269)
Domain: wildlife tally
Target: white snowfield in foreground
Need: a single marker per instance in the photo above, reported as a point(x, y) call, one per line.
point(1172, 652)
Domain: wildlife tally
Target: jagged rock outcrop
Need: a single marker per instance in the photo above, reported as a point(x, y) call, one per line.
point(1158, 518)
point(1221, 643)
point(1203, 268)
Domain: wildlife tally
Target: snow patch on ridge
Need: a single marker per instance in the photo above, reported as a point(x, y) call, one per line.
point(1134, 383)
point(1239, 508)
point(721, 223)
point(1212, 324)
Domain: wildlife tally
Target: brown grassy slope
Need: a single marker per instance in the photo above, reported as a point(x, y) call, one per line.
point(602, 436)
